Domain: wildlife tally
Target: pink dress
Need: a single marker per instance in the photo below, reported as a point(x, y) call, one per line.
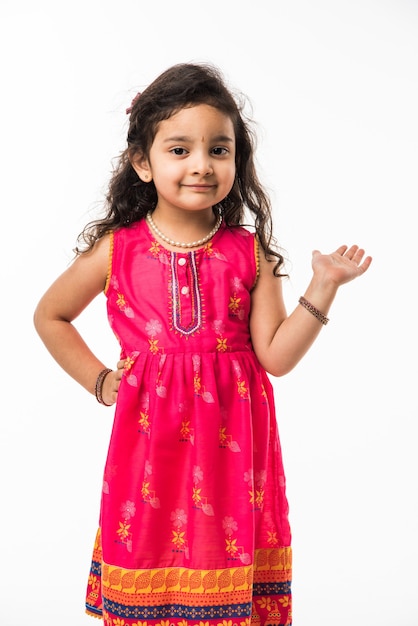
point(194, 518)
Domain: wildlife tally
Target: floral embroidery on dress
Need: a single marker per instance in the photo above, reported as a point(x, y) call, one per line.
point(256, 487)
point(121, 301)
point(242, 387)
point(147, 493)
point(199, 389)
point(226, 441)
point(235, 301)
point(155, 249)
point(144, 417)
point(199, 500)
point(221, 341)
point(186, 432)
point(129, 363)
point(124, 534)
point(144, 422)
point(272, 538)
point(152, 328)
point(186, 429)
point(221, 345)
point(178, 519)
point(160, 389)
point(234, 304)
point(235, 552)
point(210, 251)
point(158, 252)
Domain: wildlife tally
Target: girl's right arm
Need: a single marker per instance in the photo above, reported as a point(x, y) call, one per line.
point(65, 299)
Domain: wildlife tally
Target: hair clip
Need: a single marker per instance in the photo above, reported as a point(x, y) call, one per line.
point(134, 101)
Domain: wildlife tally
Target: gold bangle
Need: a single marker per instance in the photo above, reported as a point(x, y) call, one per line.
point(99, 386)
point(312, 309)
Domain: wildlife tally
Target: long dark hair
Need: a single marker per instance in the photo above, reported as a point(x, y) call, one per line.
point(129, 199)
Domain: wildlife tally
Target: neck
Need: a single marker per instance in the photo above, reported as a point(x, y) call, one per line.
point(192, 238)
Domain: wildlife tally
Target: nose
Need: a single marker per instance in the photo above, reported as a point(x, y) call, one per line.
point(202, 163)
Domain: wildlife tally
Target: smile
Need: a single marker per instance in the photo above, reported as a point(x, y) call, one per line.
point(200, 187)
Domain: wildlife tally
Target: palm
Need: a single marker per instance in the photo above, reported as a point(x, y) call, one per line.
point(341, 266)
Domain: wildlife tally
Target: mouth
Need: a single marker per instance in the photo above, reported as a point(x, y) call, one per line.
point(197, 187)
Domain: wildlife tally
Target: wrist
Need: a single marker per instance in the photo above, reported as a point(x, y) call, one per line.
point(98, 389)
point(321, 292)
point(322, 284)
point(313, 310)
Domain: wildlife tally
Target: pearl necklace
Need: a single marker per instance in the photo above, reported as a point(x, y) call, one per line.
point(181, 244)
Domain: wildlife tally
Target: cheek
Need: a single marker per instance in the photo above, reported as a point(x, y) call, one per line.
point(166, 175)
point(170, 170)
point(231, 175)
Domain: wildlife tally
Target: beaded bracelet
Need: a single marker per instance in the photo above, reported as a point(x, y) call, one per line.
point(312, 309)
point(99, 386)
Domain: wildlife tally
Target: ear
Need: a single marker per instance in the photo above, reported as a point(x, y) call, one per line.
point(141, 166)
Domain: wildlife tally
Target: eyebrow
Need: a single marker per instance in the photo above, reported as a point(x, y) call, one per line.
point(185, 138)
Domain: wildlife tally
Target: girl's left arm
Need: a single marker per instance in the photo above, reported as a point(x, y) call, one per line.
point(281, 340)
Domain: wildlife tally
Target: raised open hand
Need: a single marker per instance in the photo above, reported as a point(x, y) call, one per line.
point(340, 266)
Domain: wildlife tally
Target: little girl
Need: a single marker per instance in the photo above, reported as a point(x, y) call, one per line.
point(194, 518)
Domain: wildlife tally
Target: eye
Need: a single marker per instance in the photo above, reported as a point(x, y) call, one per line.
point(220, 151)
point(179, 151)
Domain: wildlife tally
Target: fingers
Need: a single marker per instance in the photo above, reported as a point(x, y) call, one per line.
point(354, 254)
point(112, 383)
point(365, 265)
point(342, 250)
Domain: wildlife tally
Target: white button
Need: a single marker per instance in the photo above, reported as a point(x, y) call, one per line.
point(182, 261)
point(185, 291)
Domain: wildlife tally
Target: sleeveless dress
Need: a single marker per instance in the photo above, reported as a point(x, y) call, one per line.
point(194, 524)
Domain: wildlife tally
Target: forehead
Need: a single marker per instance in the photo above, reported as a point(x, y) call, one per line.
point(201, 119)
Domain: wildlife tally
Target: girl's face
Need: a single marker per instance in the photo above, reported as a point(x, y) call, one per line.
point(192, 159)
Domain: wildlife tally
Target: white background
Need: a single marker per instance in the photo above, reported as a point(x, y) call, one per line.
point(333, 85)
